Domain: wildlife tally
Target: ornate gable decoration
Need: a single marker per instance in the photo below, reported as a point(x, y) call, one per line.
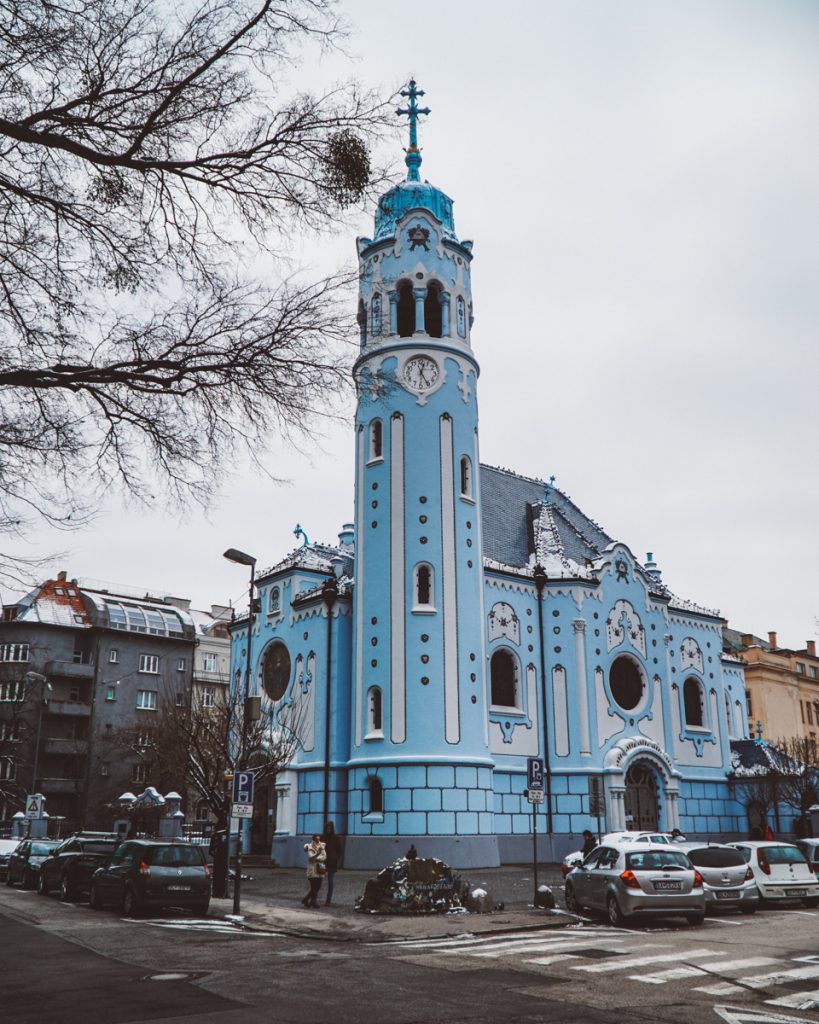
point(504, 623)
point(418, 237)
point(691, 655)
point(623, 623)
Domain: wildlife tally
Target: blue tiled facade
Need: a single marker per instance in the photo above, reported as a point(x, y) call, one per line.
point(476, 617)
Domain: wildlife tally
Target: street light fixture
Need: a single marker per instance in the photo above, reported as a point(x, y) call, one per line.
point(241, 558)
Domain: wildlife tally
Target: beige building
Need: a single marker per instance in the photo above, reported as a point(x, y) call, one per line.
point(782, 685)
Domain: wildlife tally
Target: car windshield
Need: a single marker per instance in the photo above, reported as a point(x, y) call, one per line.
point(783, 855)
point(657, 860)
point(41, 849)
point(175, 856)
point(99, 847)
point(716, 857)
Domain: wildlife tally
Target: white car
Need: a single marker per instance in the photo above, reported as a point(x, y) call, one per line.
point(571, 860)
point(810, 848)
point(780, 871)
point(7, 848)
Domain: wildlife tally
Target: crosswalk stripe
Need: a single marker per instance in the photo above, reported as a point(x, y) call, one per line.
point(504, 949)
point(545, 961)
point(639, 961)
point(464, 940)
point(782, 977)
point(724, 988)
point(690, 971)
point(798, 1000)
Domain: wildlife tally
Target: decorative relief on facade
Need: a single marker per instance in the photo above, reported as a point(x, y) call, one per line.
point(503, 622)
point(623, 623)
point(691, 655)
point(626, 750)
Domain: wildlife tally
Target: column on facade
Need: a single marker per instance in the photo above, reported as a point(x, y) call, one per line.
point(579, 626)
point(420, 295)
point(672, 808)
point(393, 297)
point(445, 301)
point(615, 808)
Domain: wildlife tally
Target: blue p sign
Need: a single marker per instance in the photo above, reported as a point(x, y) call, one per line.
point(243, 788)
point(534, 773)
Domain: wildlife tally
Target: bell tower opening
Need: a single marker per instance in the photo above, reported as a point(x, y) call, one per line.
point(406, 310)
point(433, 319)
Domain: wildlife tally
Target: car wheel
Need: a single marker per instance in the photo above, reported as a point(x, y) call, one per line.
point(42, 885)
point(695, 919)
point(615, 914)
point(811, 902)
point(66, 890)
point(571, 900)
point(131, 907)
point(94, 900)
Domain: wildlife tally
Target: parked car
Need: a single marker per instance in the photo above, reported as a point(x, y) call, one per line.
point(810, 848)
point(70, 866)
point(24, 863)
point(7, 848)
point(144, 873)
point(727, 881)
point(616, 838)
point(780, 871)
point(637, 880)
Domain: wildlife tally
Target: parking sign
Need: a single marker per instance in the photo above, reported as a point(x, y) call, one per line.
point(534, 773)
point(243, 788)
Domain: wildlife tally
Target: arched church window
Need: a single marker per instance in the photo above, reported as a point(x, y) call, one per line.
point(376, 796)
point(374, 726)
point(626, 682)
point(466, 477)
point(376, 314)
point(693, 702)
point(274, 600)
point(276, 670)
point(424, 587)
point(729, 724)
point(362, 321)
point(461, 315)
point(433, 313)
point(406, 310)
point(503, 673)
point(376, 440)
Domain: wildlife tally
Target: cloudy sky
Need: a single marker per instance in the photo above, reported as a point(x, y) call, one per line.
point(640, 180)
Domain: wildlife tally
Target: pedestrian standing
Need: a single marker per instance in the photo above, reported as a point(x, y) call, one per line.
point(768, 833)
point(589, 843)
point(332, 845)
point(316, 869)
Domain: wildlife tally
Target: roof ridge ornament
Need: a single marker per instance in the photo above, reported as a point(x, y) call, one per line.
point(412, 110)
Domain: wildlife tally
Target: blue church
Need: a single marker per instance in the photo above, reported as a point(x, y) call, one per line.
point(472, 617)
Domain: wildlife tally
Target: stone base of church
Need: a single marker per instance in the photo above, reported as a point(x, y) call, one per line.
point(371, 853)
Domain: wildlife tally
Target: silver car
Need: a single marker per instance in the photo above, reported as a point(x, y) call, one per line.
point(637, 880)
point(727, 881)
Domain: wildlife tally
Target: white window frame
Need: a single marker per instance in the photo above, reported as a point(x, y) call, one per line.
point(146, 700)
point(180, 665)
point(111, 692)
point(467, 492)
point(428, 608)
point(375, 730)
point(139, 773)
point(209, 662)
point(105, 769)
point(372, 456)
point(518, 682)
point(14, 652)
point(149, 663)
point(8, 769)
point(13, 692)
point(208, 696)
point(113, 656)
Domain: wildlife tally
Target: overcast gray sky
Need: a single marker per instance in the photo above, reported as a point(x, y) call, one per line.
point(640, 180)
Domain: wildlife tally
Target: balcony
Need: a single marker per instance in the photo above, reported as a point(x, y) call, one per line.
point(69, 707)
point(69, 670)
point(65, 745)
point(60, 785)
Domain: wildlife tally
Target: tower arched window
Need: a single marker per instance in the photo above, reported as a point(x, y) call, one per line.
point(693, 702)
point(375, 314)
point(466, 477)
point(406, 310)
point(423, 587)
point(376, 796)
point(461, 316)
point(433, 314)
point(362, 321)
point(374, 714)
point(503, 674)
point(376, 440)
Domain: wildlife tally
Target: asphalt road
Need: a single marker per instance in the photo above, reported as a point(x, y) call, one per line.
point(66, 964)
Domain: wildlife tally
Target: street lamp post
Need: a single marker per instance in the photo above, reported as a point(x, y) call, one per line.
point(234, 555)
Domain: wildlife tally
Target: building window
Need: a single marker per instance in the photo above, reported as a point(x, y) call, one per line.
point(202, 811)
point(209, 662)
point(810, 714)
point(749, 707)
point(376, 441)
point(139, 773)
point(180, 700)
point(376, 796)
point(13, 652)
point(376, 314)
point(406, 310)
point(728, 723)
point(149, 663)
point(111, 693)
point(274, 602)
point(12, 691)
point(374, 727)
point(626, 683)
point(180, 665)
point(74, 693)
point(208, 696)
point(146, 699)
point(113, 656)
point(814, 674)
point(144, 738)
point(461, 316)
point(503, 672)
point(466, 477)
point(8, 769)
point(800, 668)
point(694, 702)
point(424, 588)
point(802, 710)
point(276, 670)
point(10, 731)
point(105, 768)
point(433, 314)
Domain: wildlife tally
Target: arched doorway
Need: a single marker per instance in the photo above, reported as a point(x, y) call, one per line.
point(640, 802)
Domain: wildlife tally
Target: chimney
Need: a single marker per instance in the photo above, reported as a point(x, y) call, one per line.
point(747, 640)
point(772, 640)
point(62, 576)
point(811, 645)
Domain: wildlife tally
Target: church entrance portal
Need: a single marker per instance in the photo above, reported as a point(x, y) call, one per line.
point(640, 802)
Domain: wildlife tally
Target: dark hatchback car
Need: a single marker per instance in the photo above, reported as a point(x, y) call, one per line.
point(24, 863)
point(69, 868)
point(144, 873)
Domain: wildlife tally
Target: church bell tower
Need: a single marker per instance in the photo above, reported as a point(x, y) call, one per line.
point(420, 762)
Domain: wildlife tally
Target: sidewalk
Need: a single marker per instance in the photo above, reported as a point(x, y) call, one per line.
point(271, 901)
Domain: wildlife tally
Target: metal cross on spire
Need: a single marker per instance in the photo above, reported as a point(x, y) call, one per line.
point(412, 110)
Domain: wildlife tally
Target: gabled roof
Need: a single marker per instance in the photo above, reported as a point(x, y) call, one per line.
point(54, 603)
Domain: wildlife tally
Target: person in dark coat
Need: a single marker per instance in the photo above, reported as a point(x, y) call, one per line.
point(589, 843)
point(332, 844)
point(411, 853)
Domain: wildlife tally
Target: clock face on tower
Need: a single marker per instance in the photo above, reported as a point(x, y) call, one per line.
point(421, 373)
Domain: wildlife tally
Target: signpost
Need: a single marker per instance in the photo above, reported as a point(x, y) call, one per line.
point(534, 794)
point(242, 789)
point(34, 805)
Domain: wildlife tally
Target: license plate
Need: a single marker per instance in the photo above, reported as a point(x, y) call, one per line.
point(796, 892)
point(668, 886)
point(725, 894)
point(178, 888)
